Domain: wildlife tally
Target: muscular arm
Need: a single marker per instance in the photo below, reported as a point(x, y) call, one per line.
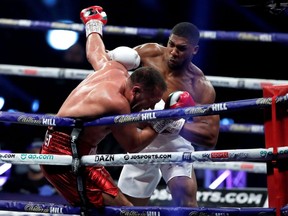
point(148, 51)
point(132, 139)
point(129, 136)
point(95, 51)
point(204, 130)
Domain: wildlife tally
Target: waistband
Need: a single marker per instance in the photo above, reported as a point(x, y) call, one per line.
point(66, 130)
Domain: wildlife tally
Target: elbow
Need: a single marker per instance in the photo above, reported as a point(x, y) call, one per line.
point(212, 133)
point(135, 148)
point(131, 148)
point(208, 142)
point(212, 137)
point(204, 137)
point(212, 141)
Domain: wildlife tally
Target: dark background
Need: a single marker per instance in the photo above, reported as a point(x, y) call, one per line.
point(216, 58)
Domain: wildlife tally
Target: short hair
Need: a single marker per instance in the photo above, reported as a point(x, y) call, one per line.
point(149, 78)
point(187, 30)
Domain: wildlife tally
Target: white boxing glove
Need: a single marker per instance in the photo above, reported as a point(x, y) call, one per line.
point(175, 127)
point(168, 126)
point(126, 56)
point(160, 125)
point(160, 105)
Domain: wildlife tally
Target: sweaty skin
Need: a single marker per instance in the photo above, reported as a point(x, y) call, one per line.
point(181, 74)
point(175, 64)
point(107, 91)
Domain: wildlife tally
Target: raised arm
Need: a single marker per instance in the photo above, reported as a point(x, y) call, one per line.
point(94, 18)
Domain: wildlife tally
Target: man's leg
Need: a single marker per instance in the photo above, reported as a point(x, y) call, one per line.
point(184, 190)
point(102, 190)
point(138, 182)
point(181, 182)
point(119, 200)
point(138, 201)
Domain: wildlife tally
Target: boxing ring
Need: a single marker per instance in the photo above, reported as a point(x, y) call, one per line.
point(268, 155)
point(274, 156)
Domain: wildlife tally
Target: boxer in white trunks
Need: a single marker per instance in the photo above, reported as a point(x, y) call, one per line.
point(174, 61)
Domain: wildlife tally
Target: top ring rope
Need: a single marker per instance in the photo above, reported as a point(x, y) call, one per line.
point(146, 32)
point(153, 115)
point(70, 73)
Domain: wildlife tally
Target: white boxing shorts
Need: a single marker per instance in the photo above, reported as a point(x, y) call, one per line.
point(141, 180)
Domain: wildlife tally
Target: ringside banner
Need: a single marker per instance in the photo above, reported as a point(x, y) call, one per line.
point(256, 197)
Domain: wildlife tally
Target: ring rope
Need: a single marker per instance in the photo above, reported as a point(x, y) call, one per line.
point(52, 208)
point(257, 154)
point(70, 73)
point(39, 207)
point(45, 120)
point(252, 167)
point(65, 160)
point(145, 32)
point(187, 112)
point(242, 128)
point(243, 83)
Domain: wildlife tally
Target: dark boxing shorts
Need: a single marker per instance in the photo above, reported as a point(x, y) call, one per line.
point(96, 179)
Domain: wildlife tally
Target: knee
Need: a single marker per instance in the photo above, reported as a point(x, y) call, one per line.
point(183, 191)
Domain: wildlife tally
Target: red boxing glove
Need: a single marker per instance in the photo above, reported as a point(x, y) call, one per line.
point(179, 99)
point(93, 13)
point(94, 18)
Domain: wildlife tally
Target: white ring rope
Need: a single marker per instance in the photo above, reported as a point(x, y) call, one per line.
point(70, 73)
point(252, 167)
point(46, 72)
point(62, 160)
point(243, 83)
point(25, 158)
point(258, 154)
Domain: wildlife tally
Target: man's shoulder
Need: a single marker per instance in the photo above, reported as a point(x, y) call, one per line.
point(199, 76)
point(196, 71)
point(150, 47)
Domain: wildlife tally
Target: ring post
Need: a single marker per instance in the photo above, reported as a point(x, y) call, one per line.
point(276, 125)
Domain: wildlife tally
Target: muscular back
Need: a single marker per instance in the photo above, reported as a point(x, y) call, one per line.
point(97, 95)
point(189, 78)
point(91, 97)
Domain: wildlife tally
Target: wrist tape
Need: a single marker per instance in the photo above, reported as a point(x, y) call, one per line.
point(160, 125)
point(94, 26)
point(175, 126)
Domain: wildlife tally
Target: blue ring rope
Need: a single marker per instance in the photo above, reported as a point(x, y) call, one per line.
point(145, 32)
